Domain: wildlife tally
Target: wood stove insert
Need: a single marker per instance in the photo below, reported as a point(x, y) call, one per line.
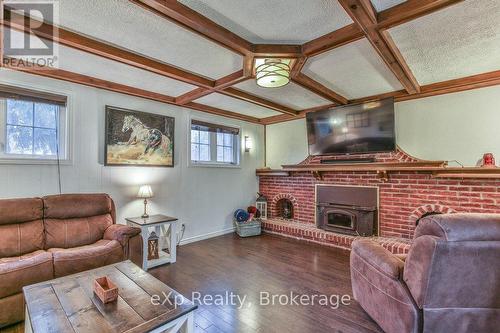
point(351, 210)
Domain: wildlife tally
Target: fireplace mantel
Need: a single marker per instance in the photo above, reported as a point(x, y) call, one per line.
point(409, 188)
point(437, 169)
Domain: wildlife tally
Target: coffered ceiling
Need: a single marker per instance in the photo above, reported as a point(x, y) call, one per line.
point(460, 41)
point(276, 21)
point(200, 53)
point(362, 73)
point(292, 95)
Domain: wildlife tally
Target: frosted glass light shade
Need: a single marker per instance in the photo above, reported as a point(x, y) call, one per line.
point(145, 192)
point(273, 73)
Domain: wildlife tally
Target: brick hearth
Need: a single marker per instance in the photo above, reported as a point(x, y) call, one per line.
point(309, 232)
point(403, 198)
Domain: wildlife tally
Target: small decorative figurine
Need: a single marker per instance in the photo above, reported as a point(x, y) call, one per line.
point(488, 161)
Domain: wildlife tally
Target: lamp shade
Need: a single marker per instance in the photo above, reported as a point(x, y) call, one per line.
point(145, 192)
point(273, 73)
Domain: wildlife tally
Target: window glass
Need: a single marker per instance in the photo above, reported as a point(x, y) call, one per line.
point(214, 144)
point(31, 128)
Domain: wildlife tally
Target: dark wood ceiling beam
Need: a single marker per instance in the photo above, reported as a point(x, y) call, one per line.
point(193, 21)
point(192, 95)
point(456, 85)
point(281, 118)
point(230, 80)
point(248, 66)
point(86, 80)
point(434, 89)
point(95, 47)
point(363, 14)
point(410, 10)
point(244, 96)
point(277, 51)
point(337, 38)
point(298, 65)
point(399, 14)
point(223, 82)
point(224, 113)
point(319, 89)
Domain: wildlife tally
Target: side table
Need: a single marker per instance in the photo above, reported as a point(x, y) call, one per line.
point(165, 228)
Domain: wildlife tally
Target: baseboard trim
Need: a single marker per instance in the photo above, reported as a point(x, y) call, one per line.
point(206, 236)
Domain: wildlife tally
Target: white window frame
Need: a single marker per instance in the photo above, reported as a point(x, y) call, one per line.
point(64, 131)
point(213, 148)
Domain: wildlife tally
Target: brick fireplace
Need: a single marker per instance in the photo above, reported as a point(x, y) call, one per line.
point(404, 197)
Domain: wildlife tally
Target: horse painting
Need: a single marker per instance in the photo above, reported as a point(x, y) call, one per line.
point(137, 138)
point(151, 137)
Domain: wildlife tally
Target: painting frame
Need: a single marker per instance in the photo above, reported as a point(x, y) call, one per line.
point(109, 110)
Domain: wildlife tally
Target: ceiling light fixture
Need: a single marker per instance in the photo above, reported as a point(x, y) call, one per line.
point(272, 72)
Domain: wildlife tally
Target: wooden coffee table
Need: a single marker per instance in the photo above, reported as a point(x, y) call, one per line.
point(68, 304)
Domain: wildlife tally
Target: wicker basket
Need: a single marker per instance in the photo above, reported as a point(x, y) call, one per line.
point(248, 229)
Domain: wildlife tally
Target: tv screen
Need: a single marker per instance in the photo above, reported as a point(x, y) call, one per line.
point(352, 129)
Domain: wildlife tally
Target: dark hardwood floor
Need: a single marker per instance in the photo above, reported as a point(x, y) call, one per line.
point(265, 264)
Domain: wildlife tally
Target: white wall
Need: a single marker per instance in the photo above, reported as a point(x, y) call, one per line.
point(460, 126)
point(202, 198)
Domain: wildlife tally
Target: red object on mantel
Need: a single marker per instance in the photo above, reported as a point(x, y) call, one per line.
point(488, 161)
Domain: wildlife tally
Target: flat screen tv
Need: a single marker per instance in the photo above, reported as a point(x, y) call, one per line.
point(352, 129)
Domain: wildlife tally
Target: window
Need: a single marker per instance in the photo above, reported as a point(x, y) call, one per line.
point(33, 125)
point(213, 144)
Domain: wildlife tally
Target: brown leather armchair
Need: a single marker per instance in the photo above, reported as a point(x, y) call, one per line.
point(449, 282)
point(44, 238)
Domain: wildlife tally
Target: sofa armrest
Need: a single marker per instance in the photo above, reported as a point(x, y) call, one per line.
point(378, 258)
point(378, 286)
point(121, 233)
point(135, 250)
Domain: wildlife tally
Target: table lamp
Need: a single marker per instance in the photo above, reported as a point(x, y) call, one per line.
point(145, 192)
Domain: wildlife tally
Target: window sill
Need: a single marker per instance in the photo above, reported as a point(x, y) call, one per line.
point(214, 165)
point(32, 161)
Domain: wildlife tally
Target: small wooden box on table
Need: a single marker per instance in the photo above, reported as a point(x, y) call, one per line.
point(68, 304)
point(165, 227)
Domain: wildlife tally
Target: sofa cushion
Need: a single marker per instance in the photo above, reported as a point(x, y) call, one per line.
point(82, 258)
point(21, 227)
point(12, 310)
point(68, 206)
point(20, 210)
point(21, 238)
point(17, 272)
point(73, 232)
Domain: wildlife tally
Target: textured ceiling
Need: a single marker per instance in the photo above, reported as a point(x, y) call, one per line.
point(276, 21)
point(84, 63)
point(291, 95)
point(130, 26)
point(354, 70)
point(88, 64)
point(381, 5)
point(458, 41)
point(232, 104)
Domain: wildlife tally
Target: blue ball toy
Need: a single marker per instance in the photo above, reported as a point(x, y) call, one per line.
point(241, 215)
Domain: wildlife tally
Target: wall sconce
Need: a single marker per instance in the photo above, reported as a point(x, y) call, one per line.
point(248, 144)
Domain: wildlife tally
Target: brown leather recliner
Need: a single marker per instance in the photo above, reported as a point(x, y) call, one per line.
point(44, 238)
point(449, 282)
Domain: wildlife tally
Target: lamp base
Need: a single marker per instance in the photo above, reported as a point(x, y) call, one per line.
point(145, 215)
